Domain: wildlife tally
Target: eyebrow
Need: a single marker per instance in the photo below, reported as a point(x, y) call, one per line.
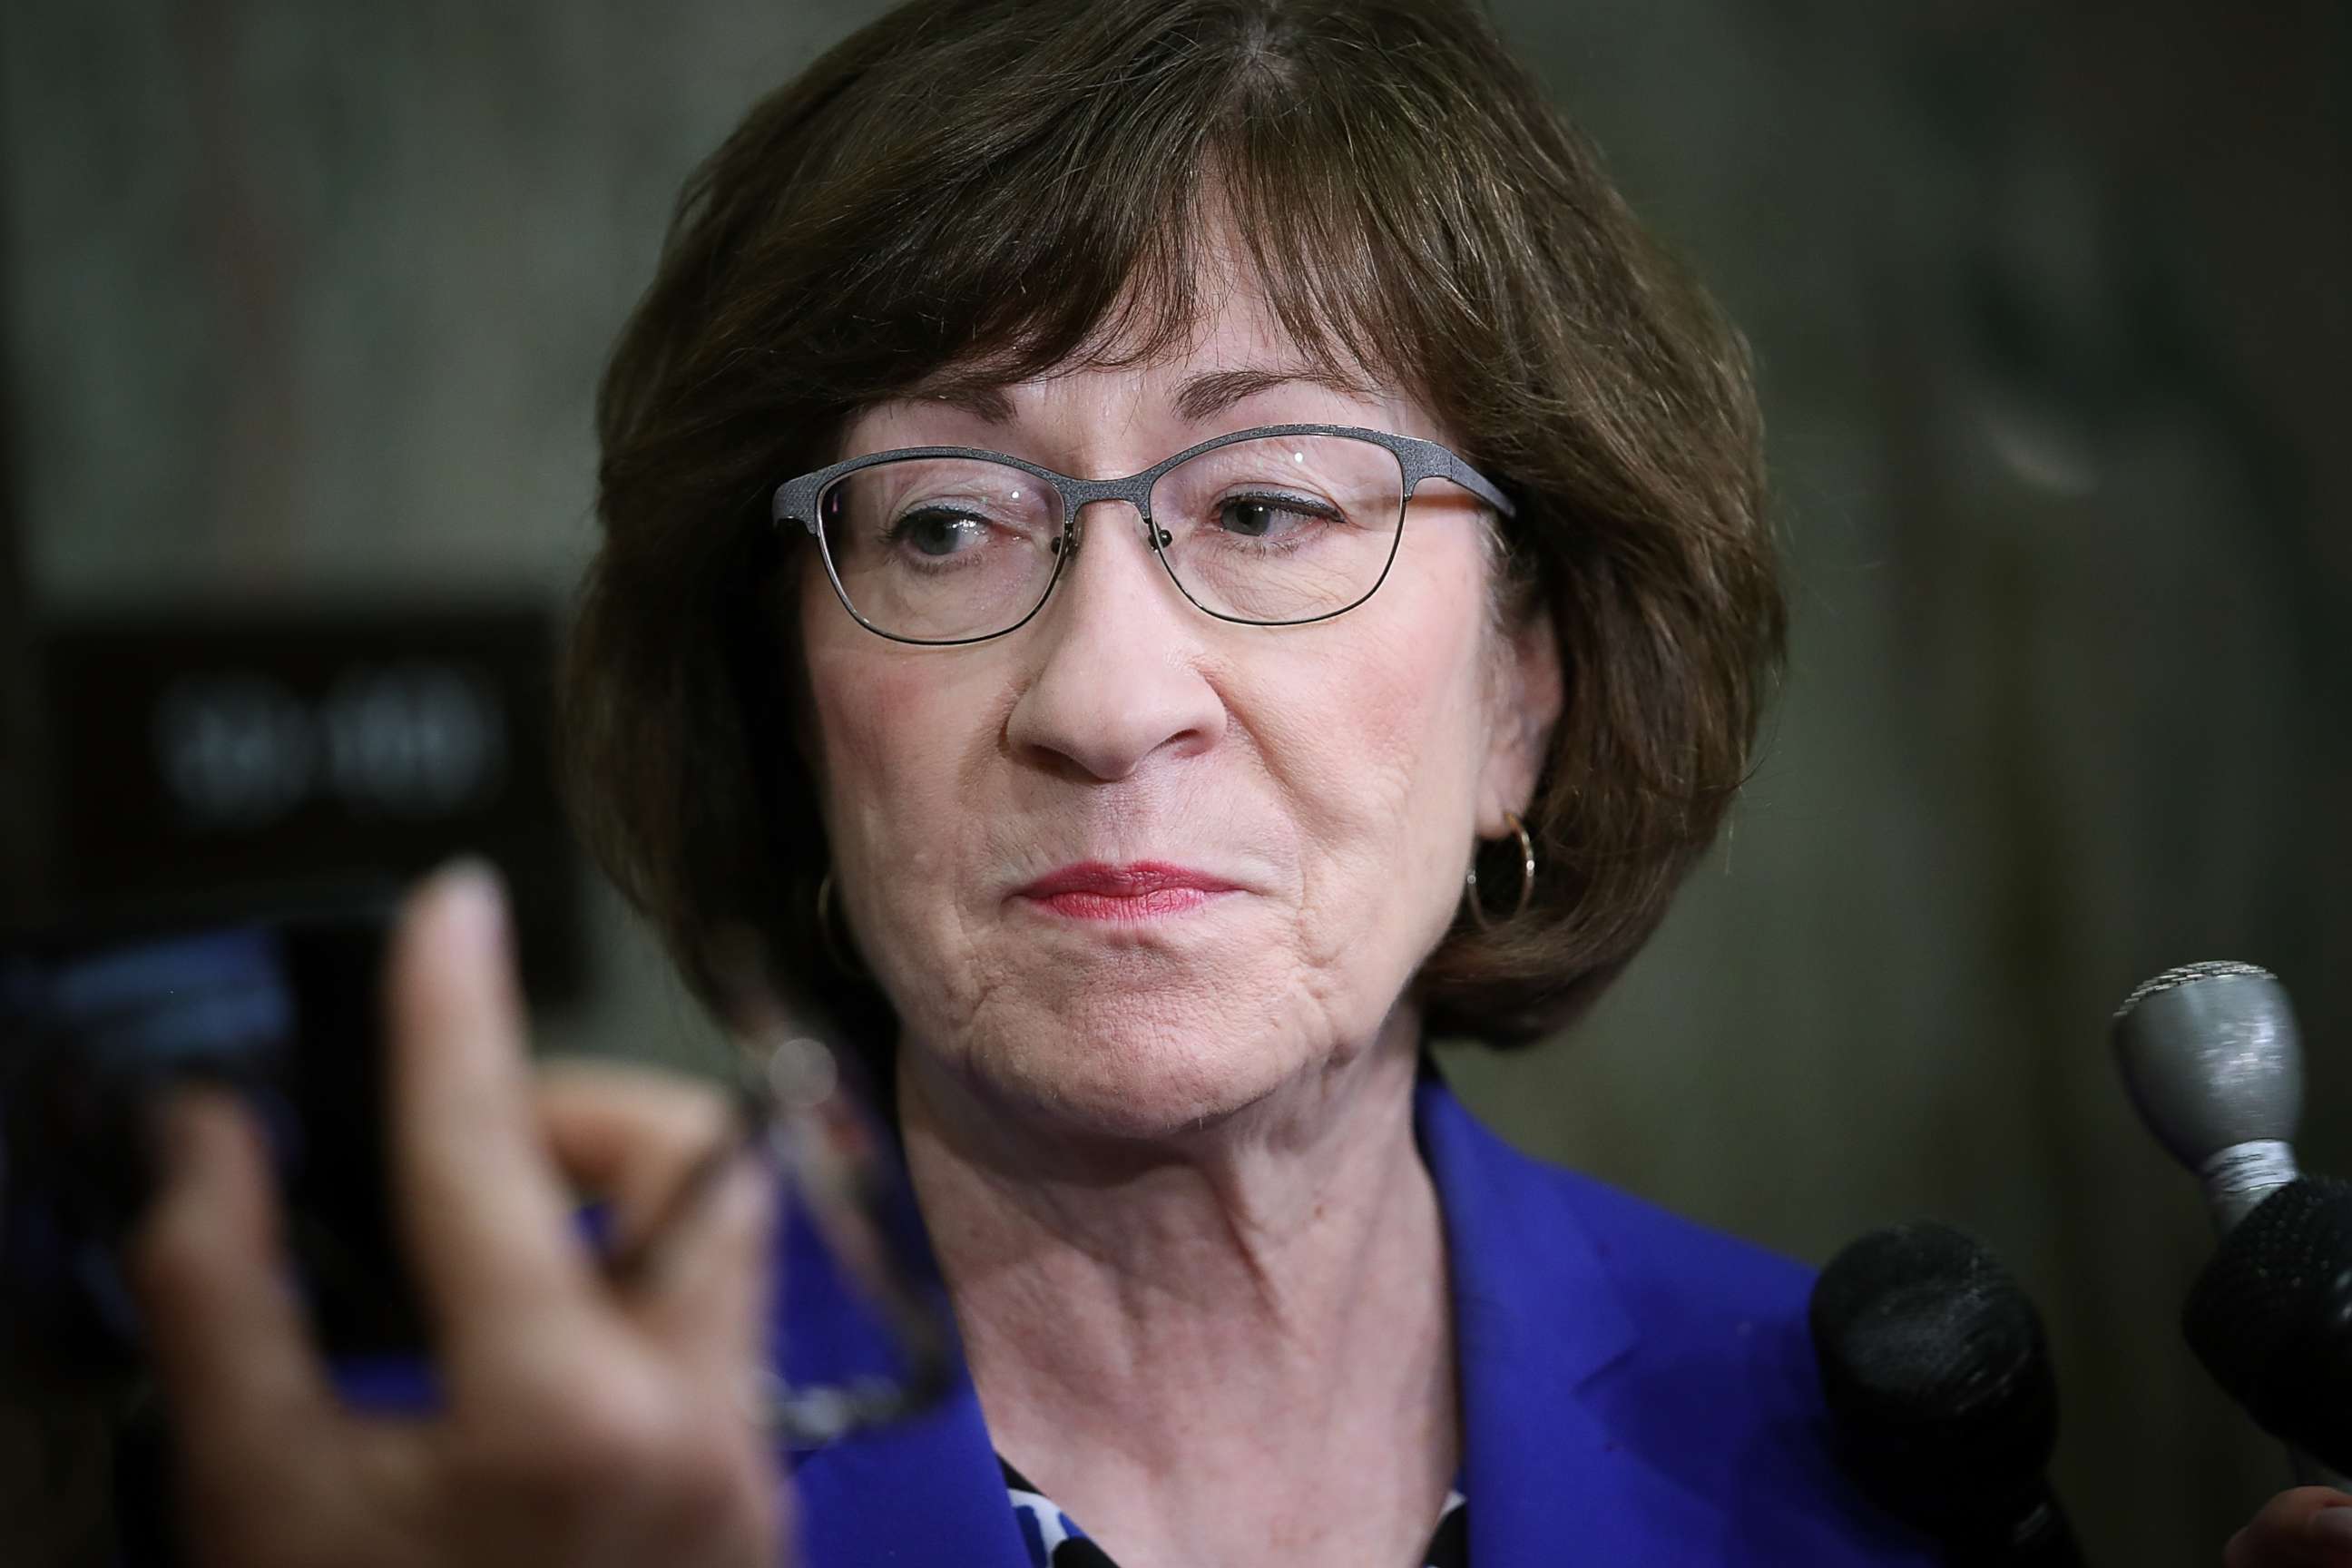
point(1213, 391)
point(1198, 397)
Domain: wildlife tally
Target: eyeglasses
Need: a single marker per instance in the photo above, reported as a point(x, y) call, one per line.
point(1275, 526)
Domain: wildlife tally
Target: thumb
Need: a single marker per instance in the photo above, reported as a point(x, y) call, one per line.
point(708, 1298)
point(2310, 1527)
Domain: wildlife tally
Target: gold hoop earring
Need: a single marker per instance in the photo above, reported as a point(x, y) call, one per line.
point(1526, 877)
point(833, 947)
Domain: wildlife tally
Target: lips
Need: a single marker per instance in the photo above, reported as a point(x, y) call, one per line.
point(1141, 890)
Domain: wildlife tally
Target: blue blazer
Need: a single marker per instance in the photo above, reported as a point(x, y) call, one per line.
point(1636, 1390)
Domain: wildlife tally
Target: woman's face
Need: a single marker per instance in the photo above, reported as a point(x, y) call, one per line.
point(1322, 783)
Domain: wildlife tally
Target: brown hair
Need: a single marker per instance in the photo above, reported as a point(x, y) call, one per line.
point(1002, 185)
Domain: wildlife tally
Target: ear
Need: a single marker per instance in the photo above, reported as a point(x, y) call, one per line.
point(1524, 701)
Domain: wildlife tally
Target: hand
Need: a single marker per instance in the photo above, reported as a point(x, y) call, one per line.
point(584, 1422)
point(2310, 1527)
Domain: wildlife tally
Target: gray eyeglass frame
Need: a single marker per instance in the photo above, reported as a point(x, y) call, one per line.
point(796, 501)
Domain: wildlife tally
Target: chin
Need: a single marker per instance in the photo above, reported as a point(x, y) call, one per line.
point(1131, 1073)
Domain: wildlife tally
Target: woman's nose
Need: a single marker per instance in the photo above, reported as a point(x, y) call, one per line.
point(1114, 670)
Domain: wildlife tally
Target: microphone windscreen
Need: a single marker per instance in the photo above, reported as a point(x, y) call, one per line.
point(2212, 1058)
point(1936, 1371)
point(2271, 1317)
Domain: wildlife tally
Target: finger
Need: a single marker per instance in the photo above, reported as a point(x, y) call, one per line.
point(636, 1136)
point(695, 1206)
point(484, 1212)
point(230, 1341)
point(2309, 1527)
point(707, 1300)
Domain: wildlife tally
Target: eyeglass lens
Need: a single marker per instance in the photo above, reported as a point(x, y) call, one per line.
point(1272, 530)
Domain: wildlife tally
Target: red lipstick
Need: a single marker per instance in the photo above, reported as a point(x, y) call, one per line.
point(1140, 890)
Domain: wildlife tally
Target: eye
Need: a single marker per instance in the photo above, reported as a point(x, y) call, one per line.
point(937, 531)
point(1270, 517)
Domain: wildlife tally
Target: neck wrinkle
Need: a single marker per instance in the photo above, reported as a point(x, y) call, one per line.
point(1251, 1298)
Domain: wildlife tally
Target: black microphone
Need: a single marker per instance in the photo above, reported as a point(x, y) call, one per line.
point(2212, 1058)
point(2271, 1317)
point(1937, 1377)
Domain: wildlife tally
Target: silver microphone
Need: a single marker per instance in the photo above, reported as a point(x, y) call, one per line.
point(2212, 1058)
point(2210, 1054)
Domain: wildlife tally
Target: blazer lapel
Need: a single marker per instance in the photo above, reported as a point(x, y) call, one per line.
point(1536, 1318)
point(923, 1493)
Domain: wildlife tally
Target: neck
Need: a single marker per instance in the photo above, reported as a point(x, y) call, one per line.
point(1241, 1327)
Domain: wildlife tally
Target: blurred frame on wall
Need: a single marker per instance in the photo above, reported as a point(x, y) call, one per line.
point(213, 760)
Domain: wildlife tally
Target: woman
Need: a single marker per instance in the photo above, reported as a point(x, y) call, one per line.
point(1117, 515)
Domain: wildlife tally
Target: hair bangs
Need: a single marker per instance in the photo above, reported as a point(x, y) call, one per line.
point(1102, 227)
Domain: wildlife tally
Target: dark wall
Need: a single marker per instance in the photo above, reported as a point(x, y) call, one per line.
point(2049, 302)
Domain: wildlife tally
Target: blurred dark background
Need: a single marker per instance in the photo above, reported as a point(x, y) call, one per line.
point(301, 308)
